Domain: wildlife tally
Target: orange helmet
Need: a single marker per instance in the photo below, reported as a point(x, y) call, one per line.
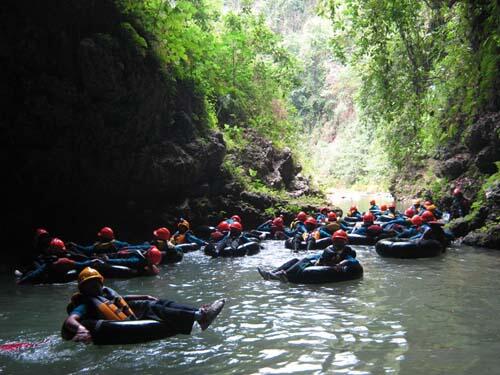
point(223, 226)
point(332, 216)
point(57, 244)
point(106, 233)
point(353, 209)
point(40, 231)
point(183, 223)
point(383, 207)
point(154, 255)
point(236, 218)
point(236, 226)
point(368, 218)
point(409, 212)
point(428, 216)
point(162, 233)
point(340, 235)
point(87, 274)
point(278, 222)
point(311, 220)
point(301, 216)
point(417, 220)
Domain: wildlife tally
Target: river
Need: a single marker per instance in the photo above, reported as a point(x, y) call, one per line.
point(427, 316)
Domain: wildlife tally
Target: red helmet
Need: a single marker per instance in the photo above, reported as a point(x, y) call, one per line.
point(417, 220)
point(311, 220)
point(372, 202)
point(383, 207)
point(392, 205)
point(278, 222)
point(236, 226)
point(428, 216)
point(457, 191)
point(332, 216)
point(409, 212)
point(368, 218)
point(301, 216)
point(40, 231)
point(236, 218)
point(154, 255)
point(162, 233)
point(353, 208)
point(340, 235)
point(57, 244)
point(322, 209)
point(216, 236)
point(106, 233)
point(223, 226)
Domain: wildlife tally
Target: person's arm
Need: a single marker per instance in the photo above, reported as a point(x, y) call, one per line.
point(192, 238)
point(72, 324)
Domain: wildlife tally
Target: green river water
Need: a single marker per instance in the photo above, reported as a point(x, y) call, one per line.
point(426, 316)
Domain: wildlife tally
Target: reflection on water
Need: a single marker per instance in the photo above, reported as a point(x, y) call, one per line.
point(405, 316)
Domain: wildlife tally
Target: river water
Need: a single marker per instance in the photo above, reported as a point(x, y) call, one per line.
point(427, 316)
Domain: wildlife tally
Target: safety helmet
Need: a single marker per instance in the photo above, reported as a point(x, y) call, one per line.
point(457, 191)
point(353, 209)
point(236, 226)
point(372, 202)
point(278, 222)
point(236, 218)
point(416, 202)
point(57, 244)
point(301, 216)
point(183, 223)
point(162, 233)
point(154, 255)
point(383, 207)
point(409, 212)
point(106, 233)
point(417, 220)
point(340, 235)
point(428, 216)
point(332, 216)
point(40, 231)
point(392, 205)
point(368, 218)
point(311, 220)
point(223, 226)
point(322, 209)
point(431, 207)
point(89, 273)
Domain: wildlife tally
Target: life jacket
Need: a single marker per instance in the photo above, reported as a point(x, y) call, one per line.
point(179, 238)
point(109, 306)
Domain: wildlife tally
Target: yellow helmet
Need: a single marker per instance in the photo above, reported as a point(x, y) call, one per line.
point(183, 223)
point(87, 274)
point(416, 202)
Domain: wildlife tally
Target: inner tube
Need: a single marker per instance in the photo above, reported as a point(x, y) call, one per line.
point(360, 239)
point(249, 248)
point(114, 332)
point(324, 274)
point(320, 244)
point(401, 248)
point(171, 256)
point(187, 247)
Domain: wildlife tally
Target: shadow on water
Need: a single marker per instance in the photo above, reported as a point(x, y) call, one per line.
point(429, 316)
